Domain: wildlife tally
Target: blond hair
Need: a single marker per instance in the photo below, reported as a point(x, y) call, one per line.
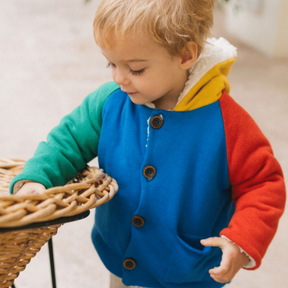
point(170, 23)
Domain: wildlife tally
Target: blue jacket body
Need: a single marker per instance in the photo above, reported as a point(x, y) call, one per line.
point(187, 200)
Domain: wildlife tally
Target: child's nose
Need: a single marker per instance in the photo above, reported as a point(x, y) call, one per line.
point(121, 78)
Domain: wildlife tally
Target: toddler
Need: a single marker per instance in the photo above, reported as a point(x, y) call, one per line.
point(200, 192)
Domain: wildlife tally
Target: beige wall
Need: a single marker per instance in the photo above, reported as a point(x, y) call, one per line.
point(265, 29)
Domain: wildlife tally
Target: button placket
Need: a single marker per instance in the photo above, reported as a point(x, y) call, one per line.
point(155, 122)
point(149, 172)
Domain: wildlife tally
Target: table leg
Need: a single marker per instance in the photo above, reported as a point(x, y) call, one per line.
point(52, 266)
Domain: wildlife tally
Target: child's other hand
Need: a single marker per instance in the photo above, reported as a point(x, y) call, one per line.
point(31, 188)
point(232, 259)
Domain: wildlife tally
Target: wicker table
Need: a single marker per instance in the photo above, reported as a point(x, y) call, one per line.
point(28, 222)
point(53, 224)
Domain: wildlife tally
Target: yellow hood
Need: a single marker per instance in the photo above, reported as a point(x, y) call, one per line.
point(208, 77)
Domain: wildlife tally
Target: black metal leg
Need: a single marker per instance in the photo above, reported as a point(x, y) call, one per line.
point(13, 286)
point(52, 266)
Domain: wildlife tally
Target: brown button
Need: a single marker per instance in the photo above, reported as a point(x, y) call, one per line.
point(156, 122)
point(149, 172)
point(138, 221)
point(129, 264)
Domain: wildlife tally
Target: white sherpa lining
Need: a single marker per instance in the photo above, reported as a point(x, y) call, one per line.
point(216, 51)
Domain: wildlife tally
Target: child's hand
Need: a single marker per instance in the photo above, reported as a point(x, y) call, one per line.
point(31, 188)
point(232, 259)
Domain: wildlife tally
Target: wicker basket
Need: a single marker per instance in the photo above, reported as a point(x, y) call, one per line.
point(89, 189)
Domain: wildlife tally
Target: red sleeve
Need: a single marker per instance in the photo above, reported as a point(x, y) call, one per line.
point(256, 179)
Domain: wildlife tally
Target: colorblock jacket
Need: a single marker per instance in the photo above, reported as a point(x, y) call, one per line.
point(201, 170)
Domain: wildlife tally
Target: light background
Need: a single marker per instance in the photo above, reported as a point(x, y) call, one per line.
point(49, 63)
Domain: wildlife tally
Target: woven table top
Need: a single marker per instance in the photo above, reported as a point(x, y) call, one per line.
point(91, 188)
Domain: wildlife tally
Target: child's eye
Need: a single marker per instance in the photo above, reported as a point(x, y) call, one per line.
point(110, 65)
point(133, 72)
point(138, 72)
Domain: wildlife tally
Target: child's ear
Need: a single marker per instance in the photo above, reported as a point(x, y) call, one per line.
point(188, 55)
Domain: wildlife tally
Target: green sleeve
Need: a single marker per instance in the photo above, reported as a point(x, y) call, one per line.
point(70, 145)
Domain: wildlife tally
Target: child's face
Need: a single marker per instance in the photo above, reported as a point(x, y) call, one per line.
point(146, 71)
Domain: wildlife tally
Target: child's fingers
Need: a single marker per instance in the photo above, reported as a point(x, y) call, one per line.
point(214, 242)
point(31, 188)
point(223, 269)
point(221, 279)
point(224, 273)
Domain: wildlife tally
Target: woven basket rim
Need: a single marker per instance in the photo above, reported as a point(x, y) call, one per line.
point(91, 188)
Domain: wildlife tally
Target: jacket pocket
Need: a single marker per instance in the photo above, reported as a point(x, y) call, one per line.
point(190, 261)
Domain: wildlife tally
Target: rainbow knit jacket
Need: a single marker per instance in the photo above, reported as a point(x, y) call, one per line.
point(201, 170)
